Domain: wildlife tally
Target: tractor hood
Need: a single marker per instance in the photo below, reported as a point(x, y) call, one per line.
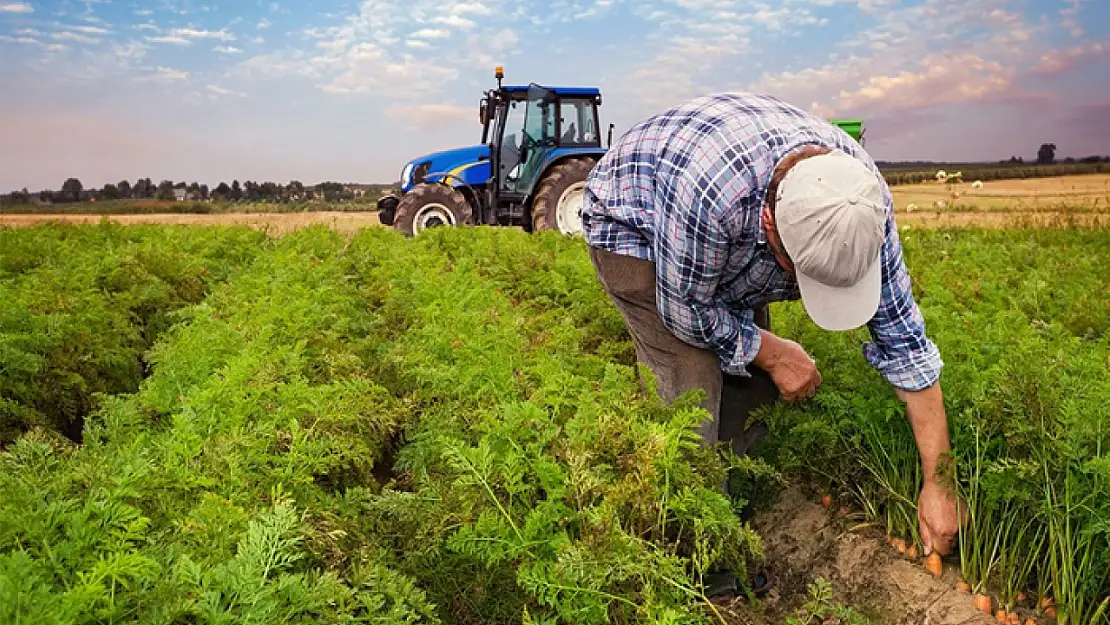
point(469, 165)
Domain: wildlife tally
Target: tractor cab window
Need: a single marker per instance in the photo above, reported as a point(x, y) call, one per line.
point(509, 158)
point(578, 123)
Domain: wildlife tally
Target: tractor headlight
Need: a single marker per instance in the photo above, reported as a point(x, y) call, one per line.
point(405, 173)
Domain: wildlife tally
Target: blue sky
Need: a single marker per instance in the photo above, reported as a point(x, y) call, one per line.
point(215, 90)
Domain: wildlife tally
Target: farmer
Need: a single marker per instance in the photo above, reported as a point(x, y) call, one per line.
point(702, 214)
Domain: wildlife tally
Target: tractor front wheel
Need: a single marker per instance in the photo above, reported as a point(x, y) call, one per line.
point(558, 201)
point(429, 206)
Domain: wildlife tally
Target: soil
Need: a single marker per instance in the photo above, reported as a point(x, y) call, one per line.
point(803, 542)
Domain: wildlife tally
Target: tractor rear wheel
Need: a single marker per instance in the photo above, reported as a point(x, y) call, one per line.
point(558, 201)
point(429, 206)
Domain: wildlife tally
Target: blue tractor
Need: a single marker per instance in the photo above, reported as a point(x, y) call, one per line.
point(538, 146)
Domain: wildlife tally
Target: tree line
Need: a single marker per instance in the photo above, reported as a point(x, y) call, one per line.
point(73, 191)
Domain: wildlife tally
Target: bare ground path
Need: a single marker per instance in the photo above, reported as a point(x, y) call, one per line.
point(804, 542)
point(350, 222)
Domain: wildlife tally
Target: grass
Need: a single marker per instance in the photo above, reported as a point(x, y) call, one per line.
point(451, 429)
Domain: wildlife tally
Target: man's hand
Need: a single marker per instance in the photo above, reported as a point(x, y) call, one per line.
point(789, 366)
point(938, 518)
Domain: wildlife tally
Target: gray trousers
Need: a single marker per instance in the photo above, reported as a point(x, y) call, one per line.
point(678, 366)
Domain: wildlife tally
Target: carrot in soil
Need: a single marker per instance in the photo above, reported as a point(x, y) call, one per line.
point(899, 544)
point(935, 566)
point(1021, 596)
point(1015, 618)
point(983, 603)
point(911, 552)
point(1030, 621)
point(1002, 617)
point(826, 501)
point(963, 587)
point(1050, 611)
point(1047, 602)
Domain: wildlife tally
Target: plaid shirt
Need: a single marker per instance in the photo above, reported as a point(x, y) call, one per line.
point(685, 189)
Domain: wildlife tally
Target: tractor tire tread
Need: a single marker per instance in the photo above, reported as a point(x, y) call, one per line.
point(421, 195)
point(562, 175)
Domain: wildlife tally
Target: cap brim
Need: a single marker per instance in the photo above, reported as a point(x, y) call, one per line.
point(843, 308)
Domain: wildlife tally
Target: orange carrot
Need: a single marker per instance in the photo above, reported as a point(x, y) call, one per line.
point(1050, 611)
point(900, 545)
point(983, 603)
point(935, 566)
point(826, 501)
point(911, 552)
point(1002, 617)
point(963, 587)
point(1021, 596)
point(1046, 602)
point(1030, 621)
point(1015, 619)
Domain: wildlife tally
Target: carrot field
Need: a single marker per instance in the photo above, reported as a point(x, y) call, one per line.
point(206, 424)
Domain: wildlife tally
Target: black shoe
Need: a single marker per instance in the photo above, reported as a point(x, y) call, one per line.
point(720, 583)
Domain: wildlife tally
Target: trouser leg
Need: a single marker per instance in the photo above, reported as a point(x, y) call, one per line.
point(742, 395)
point(677, 366)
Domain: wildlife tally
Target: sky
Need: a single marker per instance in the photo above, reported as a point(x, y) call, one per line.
point(315, 90)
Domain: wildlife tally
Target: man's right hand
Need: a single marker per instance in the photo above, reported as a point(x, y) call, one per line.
point(789, 366)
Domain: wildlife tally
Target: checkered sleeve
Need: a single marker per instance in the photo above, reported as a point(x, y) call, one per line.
point(691, 251)
point(900, 350)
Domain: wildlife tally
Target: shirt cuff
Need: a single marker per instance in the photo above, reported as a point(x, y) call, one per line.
point(747, 346)
point(908, 371)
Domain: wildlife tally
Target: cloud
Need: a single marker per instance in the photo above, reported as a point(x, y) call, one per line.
point(476, 8)
point(88, 30)
point(263, 23)
point(1055, 61)
point(455, 21)
point(166, 75)
point(216, 90)
point(431, 33)
point(143, 12)
point(429, 117)
point(417, 44)
point(16, 7)
point(131, 51)
point(227, 50)
point(146, 26)
point(170, 39)
point(68, 36)
point(193, 33)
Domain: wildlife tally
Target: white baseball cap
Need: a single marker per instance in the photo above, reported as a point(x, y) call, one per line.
point(831, 216)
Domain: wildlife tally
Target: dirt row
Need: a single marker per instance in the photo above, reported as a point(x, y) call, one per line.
point(351, 222)
point(804, 542)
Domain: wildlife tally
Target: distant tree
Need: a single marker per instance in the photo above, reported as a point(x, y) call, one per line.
point(165, 190)
point(124, 189)
point(204, 191)
point(295, 190)
point(71, 190)
point(236, 191)
point(1047, 153)
point(180, 185)
point(109, 192)
point(46, 195)
point(221, 192)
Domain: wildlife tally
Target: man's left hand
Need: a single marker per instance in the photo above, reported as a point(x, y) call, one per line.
point(938, 517)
